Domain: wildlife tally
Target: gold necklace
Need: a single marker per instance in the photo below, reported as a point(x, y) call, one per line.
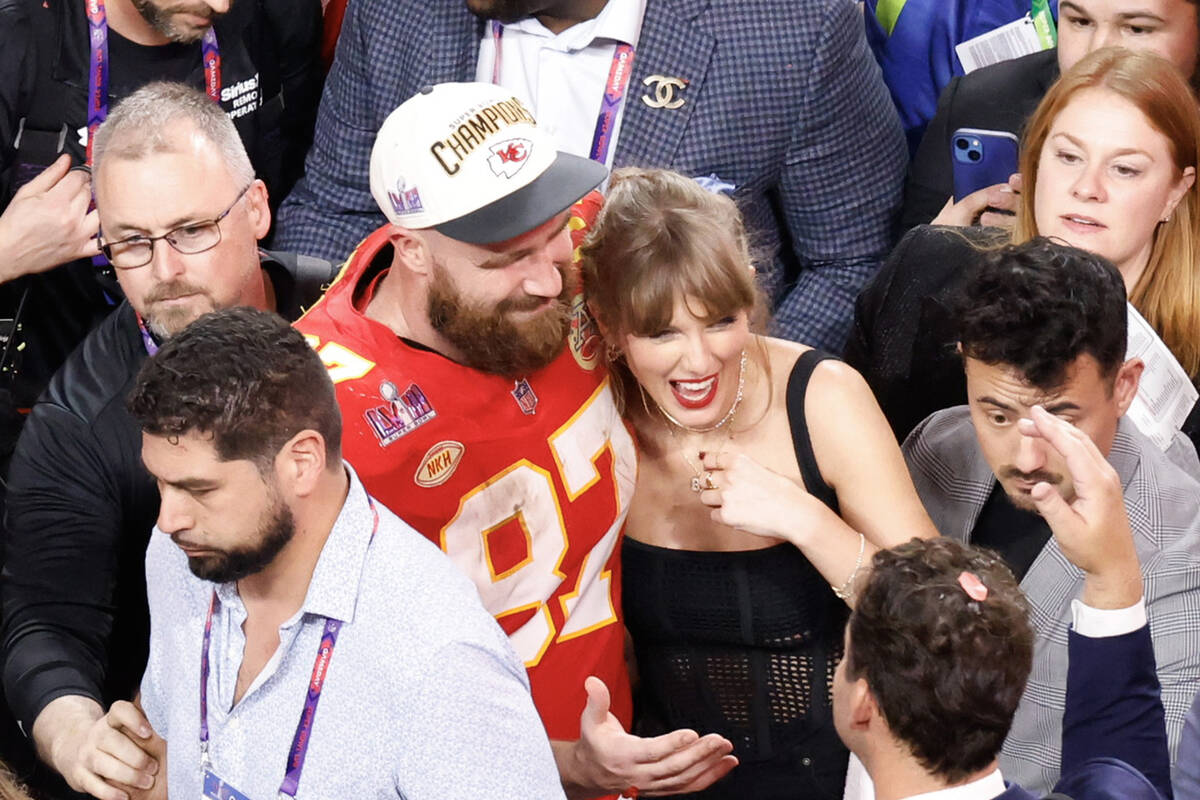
point(701, 479)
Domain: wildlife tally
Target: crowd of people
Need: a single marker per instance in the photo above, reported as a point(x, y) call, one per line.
point(578, 397)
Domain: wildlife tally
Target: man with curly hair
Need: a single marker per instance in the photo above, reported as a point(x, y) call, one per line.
point(940, 644)
point(1043, 324)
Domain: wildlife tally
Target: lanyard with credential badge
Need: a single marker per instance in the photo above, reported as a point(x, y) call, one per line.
point(614, 92)
point(214, 787)
point(98, 68)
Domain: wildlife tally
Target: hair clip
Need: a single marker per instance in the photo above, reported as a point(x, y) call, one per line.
point(974, 587)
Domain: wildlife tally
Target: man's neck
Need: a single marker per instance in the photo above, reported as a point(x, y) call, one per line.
point(279, 589)
point(126, 20)
point(567, 13)
point(402, 309)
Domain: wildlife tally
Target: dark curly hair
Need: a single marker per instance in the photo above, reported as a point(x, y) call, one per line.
point(1039, 305)
point(244, 376)
point(946, 671)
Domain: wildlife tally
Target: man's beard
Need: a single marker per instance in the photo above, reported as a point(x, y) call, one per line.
point(232, 565)
point(166, 322)
point(505, 11)
point(1024, 501)
point(488, 339)
point(162, 19)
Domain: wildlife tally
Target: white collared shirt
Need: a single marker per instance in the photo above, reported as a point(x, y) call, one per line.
point(985, 788)
point(562, 78)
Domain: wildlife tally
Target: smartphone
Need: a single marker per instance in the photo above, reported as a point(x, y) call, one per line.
point(981, 158)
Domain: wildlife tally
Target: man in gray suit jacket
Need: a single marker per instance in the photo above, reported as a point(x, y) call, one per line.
point(1044, 325)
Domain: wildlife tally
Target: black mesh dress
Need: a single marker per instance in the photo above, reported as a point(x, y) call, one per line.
point(744, 644)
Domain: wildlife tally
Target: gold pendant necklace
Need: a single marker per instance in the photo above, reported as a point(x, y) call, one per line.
point(702, 479)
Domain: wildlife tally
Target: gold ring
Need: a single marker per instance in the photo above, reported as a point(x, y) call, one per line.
point(708, 481)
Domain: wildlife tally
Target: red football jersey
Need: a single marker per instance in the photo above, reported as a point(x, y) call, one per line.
point(523, 483)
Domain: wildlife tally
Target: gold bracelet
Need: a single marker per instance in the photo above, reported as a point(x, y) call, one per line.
point(847, 590)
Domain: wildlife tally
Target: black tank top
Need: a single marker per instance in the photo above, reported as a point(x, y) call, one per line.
point(744, 644)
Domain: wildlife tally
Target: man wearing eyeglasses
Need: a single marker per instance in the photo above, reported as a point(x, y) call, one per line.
point(181, 213)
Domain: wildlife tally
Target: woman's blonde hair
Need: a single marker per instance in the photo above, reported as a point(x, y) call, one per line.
point(1168, 292)
point(661, 237)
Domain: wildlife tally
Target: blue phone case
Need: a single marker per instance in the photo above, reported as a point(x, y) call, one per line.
point(981, 158)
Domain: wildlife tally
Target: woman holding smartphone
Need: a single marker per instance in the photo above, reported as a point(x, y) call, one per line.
point(1108, 164)
point(767, 477)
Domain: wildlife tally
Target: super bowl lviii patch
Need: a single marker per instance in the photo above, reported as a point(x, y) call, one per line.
point(399, 414)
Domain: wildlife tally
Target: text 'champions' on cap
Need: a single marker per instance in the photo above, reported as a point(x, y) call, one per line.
point(468, 160)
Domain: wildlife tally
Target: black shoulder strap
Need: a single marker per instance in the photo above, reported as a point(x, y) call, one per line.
point(42, 130)
point(806, 459)
point(313, 276)
point(307, 278)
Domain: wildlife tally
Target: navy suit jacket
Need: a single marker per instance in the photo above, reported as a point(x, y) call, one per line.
point(784, 101)
point(1114, 711)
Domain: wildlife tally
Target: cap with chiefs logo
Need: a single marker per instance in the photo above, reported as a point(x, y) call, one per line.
point(468, 160)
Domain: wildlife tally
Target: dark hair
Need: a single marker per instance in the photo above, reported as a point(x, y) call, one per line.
point(946, 671)
point(244, 376)
point(1039, 305)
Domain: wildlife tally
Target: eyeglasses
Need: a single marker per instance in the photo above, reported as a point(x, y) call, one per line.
point(189, 239)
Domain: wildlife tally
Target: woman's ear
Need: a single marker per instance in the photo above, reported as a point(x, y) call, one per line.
point(1181, 188)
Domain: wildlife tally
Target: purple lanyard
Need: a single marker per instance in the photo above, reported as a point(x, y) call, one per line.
point(147, 338)
point(614, 92)
point(98, 68)
point(299, 748)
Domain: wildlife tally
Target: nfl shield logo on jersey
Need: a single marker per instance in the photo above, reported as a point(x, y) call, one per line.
point(523, 393)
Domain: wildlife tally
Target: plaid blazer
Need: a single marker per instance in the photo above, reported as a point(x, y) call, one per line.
point(784, 101)
point(1163, 501)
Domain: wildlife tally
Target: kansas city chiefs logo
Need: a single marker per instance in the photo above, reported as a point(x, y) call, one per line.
point(509, 156)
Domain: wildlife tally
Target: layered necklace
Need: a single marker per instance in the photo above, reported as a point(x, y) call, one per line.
point(701, 479)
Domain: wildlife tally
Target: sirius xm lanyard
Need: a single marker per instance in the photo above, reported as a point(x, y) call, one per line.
point(614, 93)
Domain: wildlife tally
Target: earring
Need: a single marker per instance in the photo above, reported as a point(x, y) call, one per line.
point(612, 353)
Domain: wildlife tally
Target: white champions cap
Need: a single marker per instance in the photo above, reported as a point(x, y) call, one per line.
point(468, 160)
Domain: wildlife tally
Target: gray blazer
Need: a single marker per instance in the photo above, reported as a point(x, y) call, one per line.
point(1163, 501)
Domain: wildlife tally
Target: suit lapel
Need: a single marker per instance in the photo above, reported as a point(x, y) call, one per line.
point(672, 46)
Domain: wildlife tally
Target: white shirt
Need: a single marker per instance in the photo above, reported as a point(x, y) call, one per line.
point(425, 698)
point(985, 788)
point(562, 78)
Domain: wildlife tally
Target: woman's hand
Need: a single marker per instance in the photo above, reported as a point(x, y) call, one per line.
point(744, 494)
point(1002, 198)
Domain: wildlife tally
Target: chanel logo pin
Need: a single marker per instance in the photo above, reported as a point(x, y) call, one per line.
point(664, 91)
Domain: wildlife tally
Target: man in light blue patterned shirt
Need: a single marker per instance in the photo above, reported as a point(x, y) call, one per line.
point(305, 642)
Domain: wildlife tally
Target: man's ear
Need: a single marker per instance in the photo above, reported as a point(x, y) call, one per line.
point(1125, 384)
point(411, 250)
point(864, 711)
point(258, 208)
point(301, 461)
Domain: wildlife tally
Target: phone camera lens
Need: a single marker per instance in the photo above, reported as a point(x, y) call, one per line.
point(974, 155)
point(961, 143)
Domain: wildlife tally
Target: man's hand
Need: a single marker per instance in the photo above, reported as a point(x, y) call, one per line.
point(995, 206)
point(608, 760)
point(96, 752)
point(48, 223)
point(1093, 529)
